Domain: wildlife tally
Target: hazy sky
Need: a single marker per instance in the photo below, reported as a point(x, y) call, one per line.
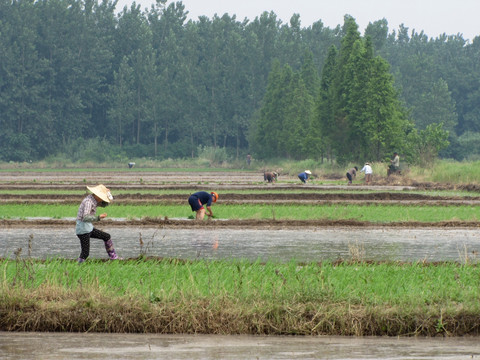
point(434, 17)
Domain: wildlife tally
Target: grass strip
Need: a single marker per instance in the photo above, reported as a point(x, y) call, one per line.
point(372, 213)
point(240, 297)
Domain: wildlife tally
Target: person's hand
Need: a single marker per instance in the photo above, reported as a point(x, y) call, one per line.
point(103, 216)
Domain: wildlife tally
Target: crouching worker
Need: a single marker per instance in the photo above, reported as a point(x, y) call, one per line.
point(304, 176)
point(270, 177)
point(86, 216)
point(199, 199)
point(352, 174)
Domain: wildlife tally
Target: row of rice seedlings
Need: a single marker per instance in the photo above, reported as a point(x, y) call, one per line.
point(372, 213)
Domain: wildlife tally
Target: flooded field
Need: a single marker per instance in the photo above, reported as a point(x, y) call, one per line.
point(21, 346)
point(250, 239)
point(301, 244)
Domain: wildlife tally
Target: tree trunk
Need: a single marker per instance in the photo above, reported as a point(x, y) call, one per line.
point(138, 115)
point(156, 136)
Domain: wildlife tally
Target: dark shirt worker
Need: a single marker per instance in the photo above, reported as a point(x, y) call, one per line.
point(199, 199)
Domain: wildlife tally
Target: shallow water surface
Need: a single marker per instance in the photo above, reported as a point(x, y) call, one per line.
point(181, 347)
point(301, 244)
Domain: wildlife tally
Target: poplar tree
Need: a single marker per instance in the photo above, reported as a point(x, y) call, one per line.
point(320, 135)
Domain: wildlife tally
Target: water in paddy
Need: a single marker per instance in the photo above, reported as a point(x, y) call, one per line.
point(195, 347)
point(301, 244)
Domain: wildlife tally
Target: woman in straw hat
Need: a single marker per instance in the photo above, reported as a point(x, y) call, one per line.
point(86, 216)
point(200, 198)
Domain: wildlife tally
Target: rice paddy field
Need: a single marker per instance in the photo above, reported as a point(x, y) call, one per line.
point(147, 294)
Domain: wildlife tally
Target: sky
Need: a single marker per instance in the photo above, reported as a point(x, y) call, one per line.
point(434, 17)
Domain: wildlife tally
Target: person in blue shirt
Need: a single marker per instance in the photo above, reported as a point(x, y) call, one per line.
point(199, 199)
point(304, 176)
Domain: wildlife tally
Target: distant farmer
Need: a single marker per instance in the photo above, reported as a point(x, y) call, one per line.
point(199, 199)
point(395, 163)
point(352, 174)
point(249, 159)
point(304, 176)
point(367, 169)
point(86, 216)
point(270, 177)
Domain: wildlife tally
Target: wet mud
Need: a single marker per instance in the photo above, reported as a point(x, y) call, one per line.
point(243, 223)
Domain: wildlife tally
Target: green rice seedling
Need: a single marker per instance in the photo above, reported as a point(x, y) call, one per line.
point(371, 213)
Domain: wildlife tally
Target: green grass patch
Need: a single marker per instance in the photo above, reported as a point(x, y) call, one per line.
point(372, 213)
point(386, 283)
point(171, 296)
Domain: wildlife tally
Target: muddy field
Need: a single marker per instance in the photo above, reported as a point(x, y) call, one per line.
point(288, 190)
point(137, 179)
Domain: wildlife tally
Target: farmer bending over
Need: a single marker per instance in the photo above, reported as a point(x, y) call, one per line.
point(304, 176)
point(270, 177)
point(352, 174)
point(200, 198)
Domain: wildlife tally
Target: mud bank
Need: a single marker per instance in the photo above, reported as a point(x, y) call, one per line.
point(246, 223)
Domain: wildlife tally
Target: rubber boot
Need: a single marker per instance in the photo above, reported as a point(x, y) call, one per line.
point(110, 250)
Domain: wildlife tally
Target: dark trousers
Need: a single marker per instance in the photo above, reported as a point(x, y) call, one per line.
point(85, 241)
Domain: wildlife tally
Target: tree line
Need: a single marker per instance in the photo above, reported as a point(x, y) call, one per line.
point(75, 76)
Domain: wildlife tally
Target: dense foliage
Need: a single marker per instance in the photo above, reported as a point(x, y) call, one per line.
point(80, 80)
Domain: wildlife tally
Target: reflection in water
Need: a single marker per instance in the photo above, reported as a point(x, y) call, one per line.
point(205, 243)
point(304, 245)
point(195, 347)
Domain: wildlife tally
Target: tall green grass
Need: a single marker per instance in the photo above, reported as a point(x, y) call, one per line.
point(413, 284)
point(372, 213)
point(234, 297)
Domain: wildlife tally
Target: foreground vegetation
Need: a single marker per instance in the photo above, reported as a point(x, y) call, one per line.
point(239, 297)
